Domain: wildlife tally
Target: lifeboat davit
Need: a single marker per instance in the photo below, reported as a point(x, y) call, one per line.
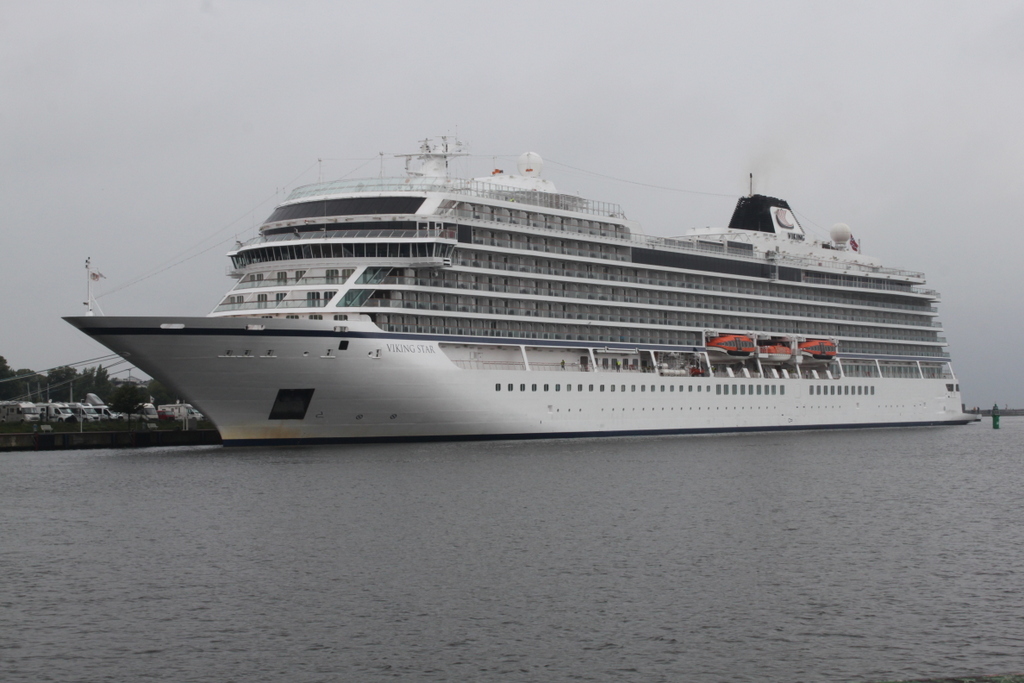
point(774, 353)
point(738, 345)
point(818, 349)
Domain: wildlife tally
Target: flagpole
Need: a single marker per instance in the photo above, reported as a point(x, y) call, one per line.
point(88, 286)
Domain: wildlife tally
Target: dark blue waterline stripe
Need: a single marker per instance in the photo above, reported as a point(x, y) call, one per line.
point(240, 332)
point(323, 441)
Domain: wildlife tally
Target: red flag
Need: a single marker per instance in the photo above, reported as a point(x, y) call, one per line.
point(853, 244)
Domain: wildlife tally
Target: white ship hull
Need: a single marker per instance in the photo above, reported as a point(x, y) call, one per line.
point(388, 387)
point(431, 307)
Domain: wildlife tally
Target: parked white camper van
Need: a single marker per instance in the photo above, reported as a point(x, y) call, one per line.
point(18, 411)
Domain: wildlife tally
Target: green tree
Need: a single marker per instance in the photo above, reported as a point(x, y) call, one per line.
point(93, 381)
point(60, 381)
point(20, 388)
point(161, 394)
point(128, 399)
point(7, 388)
point(29, 385)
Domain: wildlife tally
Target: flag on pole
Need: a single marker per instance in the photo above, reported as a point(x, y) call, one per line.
point(853, 244)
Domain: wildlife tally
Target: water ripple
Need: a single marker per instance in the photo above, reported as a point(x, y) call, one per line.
point(862, 556)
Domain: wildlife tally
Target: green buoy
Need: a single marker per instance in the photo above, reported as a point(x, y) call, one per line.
point(995, 416)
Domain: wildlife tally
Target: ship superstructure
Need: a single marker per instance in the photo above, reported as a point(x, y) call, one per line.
point(432, 307)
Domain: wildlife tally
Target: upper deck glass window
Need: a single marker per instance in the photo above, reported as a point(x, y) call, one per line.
point(353, 206)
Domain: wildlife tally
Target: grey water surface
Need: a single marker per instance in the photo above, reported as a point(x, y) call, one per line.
point(829, 556)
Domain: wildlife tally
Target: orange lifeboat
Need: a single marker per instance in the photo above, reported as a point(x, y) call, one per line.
point(819, 349)
point(732, 344)
point(774, 353)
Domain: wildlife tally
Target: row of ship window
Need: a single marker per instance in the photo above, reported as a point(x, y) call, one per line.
point(331, 276)
point(439, 301)
point(521, 241)
point(632, 335)
point(843, 390)
point(683, 280)
point(543, 220)
point(336, 250)
point(571, 290)
point(502, 306)
point(525, 242)
point(720, 389)
point(315, 299)
point(517, 330)
point(759, 389)
point(588, 271)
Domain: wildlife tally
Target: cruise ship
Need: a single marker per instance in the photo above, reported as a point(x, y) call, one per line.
point(427, 307)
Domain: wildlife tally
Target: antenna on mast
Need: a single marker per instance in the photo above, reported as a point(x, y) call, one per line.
point(751, 185)
point(90, 277)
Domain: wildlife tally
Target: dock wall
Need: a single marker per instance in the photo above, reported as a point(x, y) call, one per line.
point(77, 440)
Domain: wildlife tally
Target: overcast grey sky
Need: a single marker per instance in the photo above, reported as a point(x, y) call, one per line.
point(151, 135)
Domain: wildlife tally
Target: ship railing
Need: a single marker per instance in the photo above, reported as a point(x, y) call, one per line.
point(571, 232)
point(587, 318)
point(489, 365)
point(256, 284)
point(525, 333)
point(841, 266)
point(422, 234)
point(573, 295)
point(568, 367)
point(560, 202)
point(883, 285)
point(813, 296)
point(543, 366)
point(697, 244)
point(272, 304)
point(677, 245)
point(540, 223)
point(471, 188)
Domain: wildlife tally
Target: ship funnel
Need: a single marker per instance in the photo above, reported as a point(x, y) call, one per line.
point(761, 213)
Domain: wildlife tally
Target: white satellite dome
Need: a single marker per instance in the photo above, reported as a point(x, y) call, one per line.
point(840, 233)
point(530, 165)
